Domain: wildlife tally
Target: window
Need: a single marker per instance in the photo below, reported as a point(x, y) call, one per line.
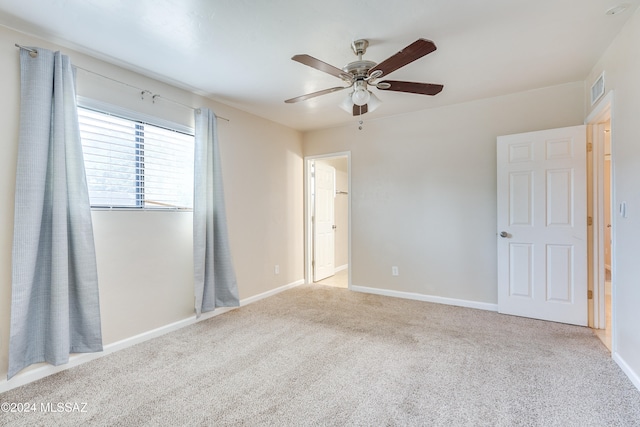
point(132, 163)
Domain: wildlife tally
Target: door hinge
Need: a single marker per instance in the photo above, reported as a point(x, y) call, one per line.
point(589, 294)
point(589, 147)
point(589, 220)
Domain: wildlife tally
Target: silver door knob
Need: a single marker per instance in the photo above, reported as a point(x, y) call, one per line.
point(504, 234)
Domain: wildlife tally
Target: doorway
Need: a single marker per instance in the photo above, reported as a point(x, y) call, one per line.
point(601, 239)
point(599, 297)
point(328, 219)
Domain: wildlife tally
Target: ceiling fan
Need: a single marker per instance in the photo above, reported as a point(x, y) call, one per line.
point(361, 73)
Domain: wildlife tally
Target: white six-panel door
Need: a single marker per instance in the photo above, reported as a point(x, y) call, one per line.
point(542, 225)
point(324, 222)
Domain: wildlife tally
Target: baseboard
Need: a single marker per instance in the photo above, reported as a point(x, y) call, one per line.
point(633, 376)
point(271, 292)
point(45, 370)
point(340, 268)
point(427, 298)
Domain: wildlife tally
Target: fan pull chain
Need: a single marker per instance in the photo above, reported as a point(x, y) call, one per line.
point(359, 124)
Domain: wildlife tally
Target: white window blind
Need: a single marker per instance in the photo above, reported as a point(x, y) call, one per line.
point(134, 164)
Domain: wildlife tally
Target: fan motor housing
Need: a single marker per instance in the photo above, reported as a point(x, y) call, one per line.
point(359, 68)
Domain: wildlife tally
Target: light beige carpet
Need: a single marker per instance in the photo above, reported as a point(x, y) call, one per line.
point(323, 356)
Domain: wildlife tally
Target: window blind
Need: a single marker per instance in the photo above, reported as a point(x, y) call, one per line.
point(134, 164)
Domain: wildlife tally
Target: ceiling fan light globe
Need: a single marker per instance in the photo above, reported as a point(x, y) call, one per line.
point(347, 103)
point(373, 103)
point(361, 96)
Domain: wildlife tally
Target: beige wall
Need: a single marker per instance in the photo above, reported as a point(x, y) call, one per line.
point(423, 189)
point(145, 258)
point(621, 64)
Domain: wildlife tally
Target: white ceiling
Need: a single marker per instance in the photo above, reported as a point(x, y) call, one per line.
point(238, 51)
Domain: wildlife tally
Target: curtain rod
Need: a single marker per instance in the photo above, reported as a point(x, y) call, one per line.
point(34, 52)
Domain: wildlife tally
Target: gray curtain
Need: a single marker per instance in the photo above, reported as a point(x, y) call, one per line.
point(215, 279)
point(54, 297)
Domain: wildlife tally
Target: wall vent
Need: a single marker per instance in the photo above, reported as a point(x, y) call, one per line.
point(597, 89)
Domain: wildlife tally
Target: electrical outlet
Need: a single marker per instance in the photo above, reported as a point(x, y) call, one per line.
point(394, 271)
point(276, 269)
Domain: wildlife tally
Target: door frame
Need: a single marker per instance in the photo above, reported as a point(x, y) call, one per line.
point(308, 224)
point(600, 114)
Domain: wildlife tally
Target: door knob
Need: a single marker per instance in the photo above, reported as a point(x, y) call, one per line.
point(504, 234)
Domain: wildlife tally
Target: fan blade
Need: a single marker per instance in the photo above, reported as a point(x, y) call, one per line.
point(314, 94)
point(415, 50)
point(358, 110)
point(412, 87)
point(322, 66)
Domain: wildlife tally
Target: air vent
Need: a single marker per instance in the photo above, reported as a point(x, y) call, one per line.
point(597, 89)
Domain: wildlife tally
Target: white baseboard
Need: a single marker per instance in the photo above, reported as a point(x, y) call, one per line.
point(340, 268)
point(633, 376)
point(271, 292)
point(427, 298)
point(45, 370)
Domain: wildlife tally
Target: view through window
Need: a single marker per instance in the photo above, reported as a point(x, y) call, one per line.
point(133, 164)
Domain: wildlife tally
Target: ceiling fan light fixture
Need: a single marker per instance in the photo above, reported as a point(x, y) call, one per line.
point(361, 95)
point(374, 102)
point(347, 103)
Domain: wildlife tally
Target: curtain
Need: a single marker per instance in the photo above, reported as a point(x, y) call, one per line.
point(214, 277)
point(54, 299)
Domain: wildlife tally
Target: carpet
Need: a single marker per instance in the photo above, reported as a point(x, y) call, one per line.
point(324, 356)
